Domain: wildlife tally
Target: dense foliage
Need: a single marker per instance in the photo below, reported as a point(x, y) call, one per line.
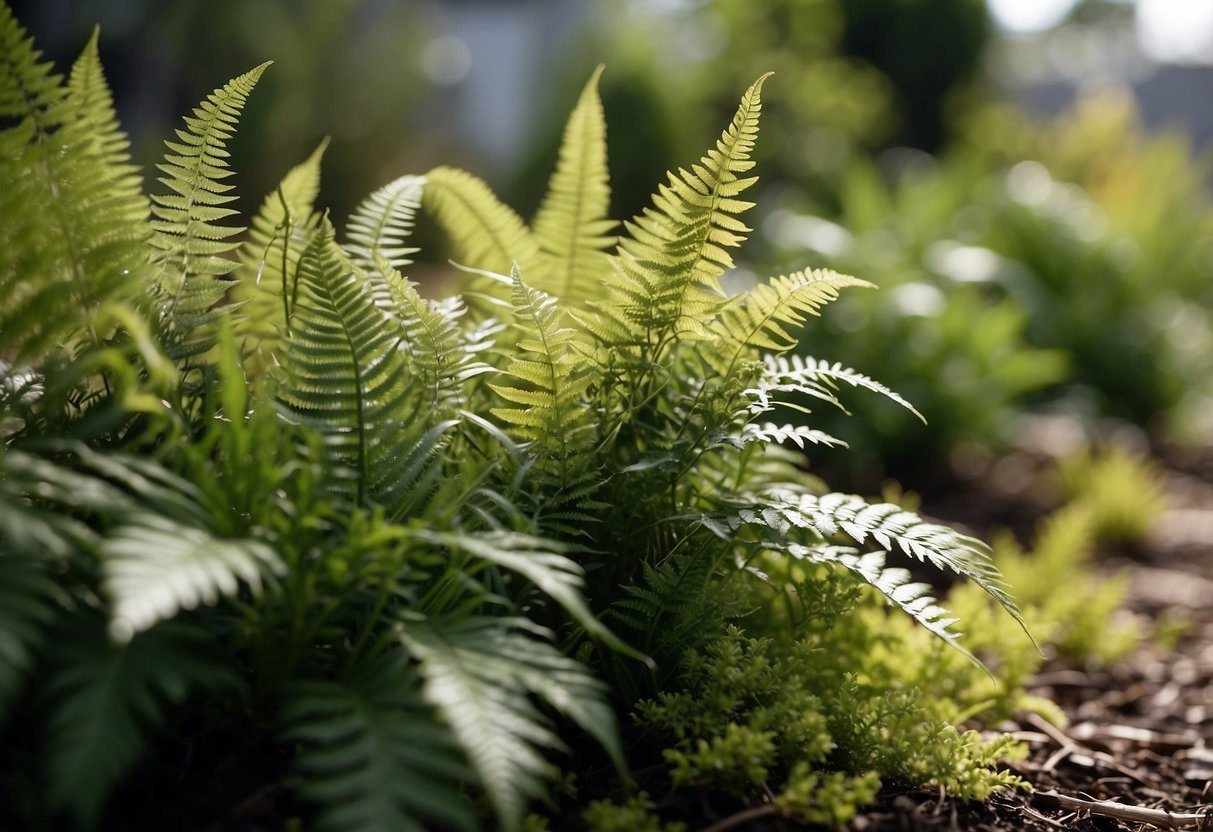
point(266, 510)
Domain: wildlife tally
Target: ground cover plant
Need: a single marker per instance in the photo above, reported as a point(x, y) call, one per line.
point(283, 542)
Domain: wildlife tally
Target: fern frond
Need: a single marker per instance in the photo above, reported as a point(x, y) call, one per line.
point(343, 373)
point(26, 608)
point(73, 219)
point(480, 674)
point(797, 434)
point(760, 318)
point(152, 568)
point(372, 754)
point(546, 395)
point(382, 222)
point(666, 598)
point(486, 233)
point(107, 698)
point(789, 515)
point(572, 226)
point(192, 268)
point(810, 377)
point(269, 261)
point(671, 259)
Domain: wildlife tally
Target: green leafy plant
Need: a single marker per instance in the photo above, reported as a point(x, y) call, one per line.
point(263, 502)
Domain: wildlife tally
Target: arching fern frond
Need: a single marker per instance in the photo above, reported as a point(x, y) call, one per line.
point(480, 674)
point(73, 219)
point(545, 391)
point(796, 434)
point(106, 699)
point(806, 520)
point(344, 374)
point(671, 259)
point(813, 378)
point(572, 226)
point(152, 568)
point(269, 261)
point(760, 318)
point(382, 222)
point(192, 268)
point(27, 594)
point(373, 756)
point(486, 233)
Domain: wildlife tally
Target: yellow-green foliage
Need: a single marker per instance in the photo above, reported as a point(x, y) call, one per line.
point(1122, 492)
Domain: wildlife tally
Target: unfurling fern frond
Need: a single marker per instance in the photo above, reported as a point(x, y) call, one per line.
point(344, 374)
point(760, 318)
point(106, 699)
point(486, 233)
point(73, 219)
point(572, 226)
point(269, 261)
point(373, 756)
point(547, 406)
point(192, 268)
point(481, 674)
point(153, 568)
point(810, 377)
point(671, 259)
point(805, 523)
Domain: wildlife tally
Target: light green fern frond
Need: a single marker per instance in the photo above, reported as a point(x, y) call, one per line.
point(481, 674)
point(486, 233)
point(152, 568)
point(342, 372)
point(372, 754)
point(547, 380)
point(73, 218)
point(105, 699)
point(802, 523)
point(810, 377)
point(671, 259)
point(760, 318)
point(192, 268)
point(269, 261)
point(572, 226)
point(382, 222)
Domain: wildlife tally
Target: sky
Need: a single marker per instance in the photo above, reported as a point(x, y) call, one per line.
point(1175, 31)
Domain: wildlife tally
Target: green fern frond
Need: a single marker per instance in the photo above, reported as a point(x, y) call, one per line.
point(372, 754)
point(486, 233)
point(480, 674)
point(789, 515)
point(106, 699)
point(382, 222)
point(797, 434)
point(73, 220)
point(671, 259)
point(269, 261)
point(342, 372)
point(153, 568)
point(192, 268)
point(572, 226)
point(810, 377)
point(546, 395)
point(666, 598)
point(762, 316)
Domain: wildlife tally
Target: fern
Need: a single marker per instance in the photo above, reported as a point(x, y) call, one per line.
point(269, 260)
point(571, 227)
point(480, 674)
point(192, 270)
point(342, 372)
point(546, 392)
point(381, 223)
point(107, 698)
point(372, 756)
point(670, 261)
point(488, 234)
point(810, 377)
point(153, 568)
point(26, 593)
point(73, 212)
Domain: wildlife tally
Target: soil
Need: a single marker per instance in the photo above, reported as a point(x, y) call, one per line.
point(1137, 753)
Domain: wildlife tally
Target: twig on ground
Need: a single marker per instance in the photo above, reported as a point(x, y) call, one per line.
point(1137, 814)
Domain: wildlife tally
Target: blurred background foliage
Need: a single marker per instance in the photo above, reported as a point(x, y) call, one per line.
point(1036, 245)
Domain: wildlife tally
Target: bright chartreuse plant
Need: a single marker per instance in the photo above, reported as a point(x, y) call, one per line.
point(262, 501)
